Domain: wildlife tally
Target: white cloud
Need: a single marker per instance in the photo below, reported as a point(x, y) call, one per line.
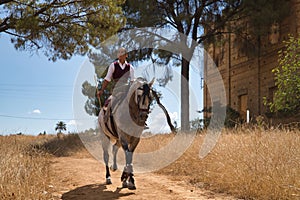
point(35, 111)
point(157, 122)
point(71, 126)
point(71, 123)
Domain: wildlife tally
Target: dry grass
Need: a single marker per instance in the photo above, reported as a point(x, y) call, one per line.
point(65, 145)
point(153, 142)
point(25, 163)
point(247, 163)
point(24, 172)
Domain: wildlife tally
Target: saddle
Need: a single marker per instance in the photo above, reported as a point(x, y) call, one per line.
point(111, 104)
point(109, 108)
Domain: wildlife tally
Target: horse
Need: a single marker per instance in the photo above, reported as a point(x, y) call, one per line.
point(128, 114)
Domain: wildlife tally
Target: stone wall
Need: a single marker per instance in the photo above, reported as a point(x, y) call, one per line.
point(249, 78)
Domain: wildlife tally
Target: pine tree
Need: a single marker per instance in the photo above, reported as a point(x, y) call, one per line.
point(60, 29)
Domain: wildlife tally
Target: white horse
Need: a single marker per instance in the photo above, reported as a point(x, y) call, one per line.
point(125, 125)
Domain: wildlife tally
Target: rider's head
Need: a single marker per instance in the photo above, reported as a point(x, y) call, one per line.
point(122, 54)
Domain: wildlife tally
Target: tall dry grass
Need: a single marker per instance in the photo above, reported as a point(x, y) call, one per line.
point(247, 163)
point(24, 172)
point(65, 145)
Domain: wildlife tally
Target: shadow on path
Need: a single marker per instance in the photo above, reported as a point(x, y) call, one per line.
point(94, 192)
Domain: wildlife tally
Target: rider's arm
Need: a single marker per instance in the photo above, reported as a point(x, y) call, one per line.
point(104, 85)
point(110, 72)
point(107, 79)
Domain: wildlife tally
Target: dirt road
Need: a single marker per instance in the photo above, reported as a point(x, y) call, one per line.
point(84, 178)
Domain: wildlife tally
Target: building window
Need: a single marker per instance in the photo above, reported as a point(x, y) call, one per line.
point(274, 34)
point(243, 106)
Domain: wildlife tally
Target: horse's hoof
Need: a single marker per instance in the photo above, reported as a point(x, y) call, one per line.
point(108, 181)
point(113, 168)
point(131, 186)
point(124, 184)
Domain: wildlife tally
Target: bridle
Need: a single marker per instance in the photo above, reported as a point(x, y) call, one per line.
point(146, 94)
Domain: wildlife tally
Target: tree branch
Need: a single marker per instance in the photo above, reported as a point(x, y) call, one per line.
point(218, 26)
point(21, 36)
point(5, 1)
point(4, 25)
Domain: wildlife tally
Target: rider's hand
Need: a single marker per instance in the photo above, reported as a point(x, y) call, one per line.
point(99, 93)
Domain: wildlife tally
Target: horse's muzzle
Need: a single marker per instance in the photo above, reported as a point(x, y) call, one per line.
point(144, 115)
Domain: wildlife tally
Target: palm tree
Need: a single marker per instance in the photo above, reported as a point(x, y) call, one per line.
point(60, 126)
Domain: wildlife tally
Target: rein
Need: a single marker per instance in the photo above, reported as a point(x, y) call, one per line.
point(173, 129)
point(146, 92)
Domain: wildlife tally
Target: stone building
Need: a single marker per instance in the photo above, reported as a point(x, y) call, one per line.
point(248, 78)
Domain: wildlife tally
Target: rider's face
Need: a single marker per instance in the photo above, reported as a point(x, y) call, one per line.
point(122, 58)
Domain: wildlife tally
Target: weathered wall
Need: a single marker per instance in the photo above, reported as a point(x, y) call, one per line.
point(248, 78)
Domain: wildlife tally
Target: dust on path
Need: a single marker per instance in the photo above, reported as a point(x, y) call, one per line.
point(84, 178)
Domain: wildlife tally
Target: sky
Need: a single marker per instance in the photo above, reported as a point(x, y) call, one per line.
point(36, 93)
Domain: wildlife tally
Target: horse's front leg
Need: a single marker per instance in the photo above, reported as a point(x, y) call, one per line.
point(127, 175)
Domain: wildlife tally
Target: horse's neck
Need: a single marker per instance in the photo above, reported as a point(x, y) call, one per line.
point(126, 119)
point(134, 112)
point(128, 108)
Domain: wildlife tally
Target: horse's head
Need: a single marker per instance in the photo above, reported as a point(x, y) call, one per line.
point(141, 99)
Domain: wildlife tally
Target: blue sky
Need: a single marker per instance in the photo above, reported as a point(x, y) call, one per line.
point(34, 93)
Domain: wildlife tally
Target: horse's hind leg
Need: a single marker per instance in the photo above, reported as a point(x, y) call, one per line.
point(105, 146)
point(115, 149)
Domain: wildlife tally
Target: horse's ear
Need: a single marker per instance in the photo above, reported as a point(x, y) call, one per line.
point(151, 82)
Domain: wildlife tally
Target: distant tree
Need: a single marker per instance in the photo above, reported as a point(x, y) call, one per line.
point(232, 118)
point(60, 29)
point(60, 126)
point(196, 124)
point(92, 105)
point(287, 79)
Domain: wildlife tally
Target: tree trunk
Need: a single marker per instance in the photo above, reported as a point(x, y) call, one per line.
point(185, 125)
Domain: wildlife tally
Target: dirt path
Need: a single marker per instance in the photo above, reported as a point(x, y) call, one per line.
point(83, 178)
